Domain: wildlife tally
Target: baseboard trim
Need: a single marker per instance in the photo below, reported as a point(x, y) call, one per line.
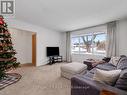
point(27, 64)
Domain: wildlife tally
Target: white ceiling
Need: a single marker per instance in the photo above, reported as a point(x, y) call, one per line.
point(66, 15)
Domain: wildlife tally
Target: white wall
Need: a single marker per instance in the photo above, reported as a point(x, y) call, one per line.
point(22, 41)
point(45, 37)
point(123, 37)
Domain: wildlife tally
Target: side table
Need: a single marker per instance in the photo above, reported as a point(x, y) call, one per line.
point(92, 63)
point(89, 64)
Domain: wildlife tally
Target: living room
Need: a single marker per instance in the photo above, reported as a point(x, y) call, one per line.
point(78, 48)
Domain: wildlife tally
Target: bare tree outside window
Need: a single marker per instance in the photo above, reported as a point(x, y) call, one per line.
point(88, 42)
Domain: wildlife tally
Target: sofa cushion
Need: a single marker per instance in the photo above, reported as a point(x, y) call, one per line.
point(106, 66)
point(122, 63)
point(108, 77)
point(121, 83)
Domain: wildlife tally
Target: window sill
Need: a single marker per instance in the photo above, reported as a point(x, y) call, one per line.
point(102, 55)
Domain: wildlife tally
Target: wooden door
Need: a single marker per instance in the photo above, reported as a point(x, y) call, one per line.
point(34, 49)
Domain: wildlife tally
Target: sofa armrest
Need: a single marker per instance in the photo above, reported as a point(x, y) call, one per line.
point(85, 86)
point(81, 86)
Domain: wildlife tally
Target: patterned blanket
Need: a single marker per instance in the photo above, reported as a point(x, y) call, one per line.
point(11, 78)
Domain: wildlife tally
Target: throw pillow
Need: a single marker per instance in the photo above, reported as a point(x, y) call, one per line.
point(114, 60)
point(122, 64)
point(108, 77)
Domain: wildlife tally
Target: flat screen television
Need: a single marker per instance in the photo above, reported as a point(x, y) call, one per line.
point(52, 51)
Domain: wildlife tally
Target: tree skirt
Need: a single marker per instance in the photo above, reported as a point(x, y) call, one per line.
point(10, 79)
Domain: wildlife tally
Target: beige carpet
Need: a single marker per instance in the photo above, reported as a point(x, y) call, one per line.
point(44, 80)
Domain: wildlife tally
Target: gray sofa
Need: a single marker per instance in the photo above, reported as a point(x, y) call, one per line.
point(85, 85)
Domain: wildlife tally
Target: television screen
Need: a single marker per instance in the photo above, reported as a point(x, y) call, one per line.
point(52, 51)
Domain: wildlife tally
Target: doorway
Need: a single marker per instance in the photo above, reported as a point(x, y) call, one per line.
point(25, 45)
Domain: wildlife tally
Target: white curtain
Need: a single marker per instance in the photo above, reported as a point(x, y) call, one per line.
point(112, 39)
point(68, 47)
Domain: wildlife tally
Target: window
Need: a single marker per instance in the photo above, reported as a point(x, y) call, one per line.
point(75, 45)
point(92, 43)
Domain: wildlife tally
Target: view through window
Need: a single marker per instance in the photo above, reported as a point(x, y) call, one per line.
point(92, 43)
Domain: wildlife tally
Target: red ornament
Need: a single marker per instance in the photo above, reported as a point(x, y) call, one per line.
point(1, 21)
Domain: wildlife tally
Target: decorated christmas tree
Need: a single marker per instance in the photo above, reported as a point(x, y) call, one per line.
point(7, 53)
